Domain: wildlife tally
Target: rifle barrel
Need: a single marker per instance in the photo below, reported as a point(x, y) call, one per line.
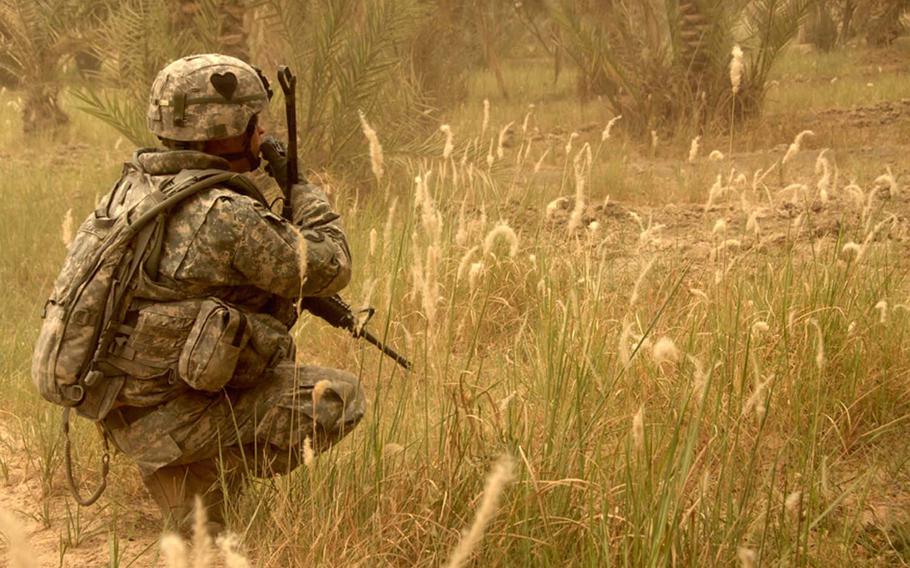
point(387, 350)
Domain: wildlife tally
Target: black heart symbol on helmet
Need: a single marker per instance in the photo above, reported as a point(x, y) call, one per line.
point(224, 83)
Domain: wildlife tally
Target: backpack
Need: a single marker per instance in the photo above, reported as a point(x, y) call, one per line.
point(93, 291)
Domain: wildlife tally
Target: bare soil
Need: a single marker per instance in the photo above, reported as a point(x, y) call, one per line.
point(48, 517)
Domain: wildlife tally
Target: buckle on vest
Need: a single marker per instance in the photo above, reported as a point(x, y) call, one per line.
point(72, 395)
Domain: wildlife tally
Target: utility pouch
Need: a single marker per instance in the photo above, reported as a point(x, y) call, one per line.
point(213, 348)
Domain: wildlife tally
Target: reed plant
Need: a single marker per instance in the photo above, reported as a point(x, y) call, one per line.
point(657, 407)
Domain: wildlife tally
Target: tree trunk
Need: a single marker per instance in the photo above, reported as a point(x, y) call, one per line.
point(849, 9)
point(489, 31)
point(41, 111)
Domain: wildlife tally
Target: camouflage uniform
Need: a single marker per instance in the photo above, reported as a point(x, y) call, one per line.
point(225, 246)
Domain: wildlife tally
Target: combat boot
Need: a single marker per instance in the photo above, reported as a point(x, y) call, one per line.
point(175, 488)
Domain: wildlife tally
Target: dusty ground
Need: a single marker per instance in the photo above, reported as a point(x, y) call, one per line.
point(57, 532)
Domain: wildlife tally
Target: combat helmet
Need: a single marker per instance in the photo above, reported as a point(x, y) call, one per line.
point(206, 97)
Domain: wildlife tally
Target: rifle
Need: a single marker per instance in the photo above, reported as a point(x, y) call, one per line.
point(282, 165)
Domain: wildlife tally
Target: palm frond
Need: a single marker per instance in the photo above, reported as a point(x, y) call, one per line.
point(349, 59)
point(136, 41)
point(121, 114)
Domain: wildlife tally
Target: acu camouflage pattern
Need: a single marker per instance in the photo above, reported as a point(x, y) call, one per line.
point(205, 97)
point(228, 247)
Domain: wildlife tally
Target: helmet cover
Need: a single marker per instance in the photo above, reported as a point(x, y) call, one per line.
point(205, 97)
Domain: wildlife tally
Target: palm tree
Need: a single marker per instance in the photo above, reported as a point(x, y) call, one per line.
point(349, 56)
point(37, 37)
point(664, 64)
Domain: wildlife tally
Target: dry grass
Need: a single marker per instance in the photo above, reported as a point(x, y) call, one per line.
point(690, 385)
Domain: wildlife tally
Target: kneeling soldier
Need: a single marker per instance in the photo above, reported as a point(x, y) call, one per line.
point(206, 383)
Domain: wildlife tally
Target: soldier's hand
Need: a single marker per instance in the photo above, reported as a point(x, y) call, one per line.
point(310, 206)
point(276, 156)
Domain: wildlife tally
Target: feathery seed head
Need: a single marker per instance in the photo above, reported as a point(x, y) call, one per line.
point(309, 456)
point(694, 148)
point(449, 145)
point(760, 327)
point(173, 550)
point(792, 502)
point(748, 558)
point(18, 551)
point(465, 262)
point(376, 158)
point(500, 476)
point(507, 233)
point(820, 359)
point(752, 223)
point(66, 228)
point(757, 399)
point(665, 351)
point(527, 120)
point(608, 131)
point(852, 249)
point(699, 378)
point(882, 307)
point(202, 541)
point(638, 429)
point(823, 167)
point(500, 149)
point(582, 163)
point(624, 349)
point(638, 281)
point(230, 549)
point(461, 232)
point(736, 68)
point(568, 147)
point(716, 156)
point(486, 117)
point(716, 191)
point(474, 274)
point(796, 145)
point(430, 292)
point(888, 180)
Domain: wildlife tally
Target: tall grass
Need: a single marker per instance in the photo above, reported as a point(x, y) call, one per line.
point(661, 407)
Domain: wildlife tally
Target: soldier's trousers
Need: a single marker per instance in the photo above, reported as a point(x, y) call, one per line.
point(180, 444)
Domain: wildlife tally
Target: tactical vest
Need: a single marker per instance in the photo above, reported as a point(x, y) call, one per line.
point(116, 247)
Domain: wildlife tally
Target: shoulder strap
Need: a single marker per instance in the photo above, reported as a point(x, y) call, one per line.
point(186, 187)
point(141, 230)
point(186, 184)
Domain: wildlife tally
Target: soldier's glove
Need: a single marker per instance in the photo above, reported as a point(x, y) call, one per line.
point(311, 209)
point(276, 157)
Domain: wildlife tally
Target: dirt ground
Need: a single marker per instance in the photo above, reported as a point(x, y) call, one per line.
point(53, 535)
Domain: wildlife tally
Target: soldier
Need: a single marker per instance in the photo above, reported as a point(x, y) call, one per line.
point(210, 388)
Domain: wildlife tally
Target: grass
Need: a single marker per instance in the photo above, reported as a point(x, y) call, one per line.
point(779, 424)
